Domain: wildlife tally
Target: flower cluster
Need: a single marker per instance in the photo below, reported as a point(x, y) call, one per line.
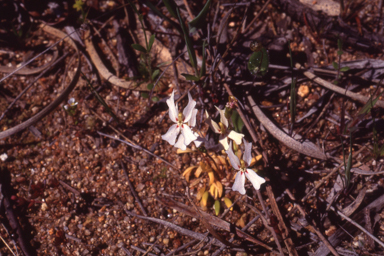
point(181, 135)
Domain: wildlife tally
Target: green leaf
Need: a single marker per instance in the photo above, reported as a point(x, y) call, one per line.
point(344, 69)
point(134, 7)
point(78, 5)
point(190, 77)
point(145, 95)
point(259, 62)
point(160, 14)
point(381, 151)
point(290, 52)
point(335, 65)
point(101, 100)
point(202, 70)
point(339, 44)
point(237, 121)
point(155, 74)
point(155, 99)
point(165, 63)
point(199, 20)
point(217, 207)
point(369, 105)
point(150, 86)
point(191, 51)
point(348, 167)
point(139, 48)
point(340, 52)
point(171, 7)
point(151, 41)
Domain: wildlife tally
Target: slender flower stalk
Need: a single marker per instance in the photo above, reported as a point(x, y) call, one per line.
point(222, 129)
point(243, 171)
point(183, 121)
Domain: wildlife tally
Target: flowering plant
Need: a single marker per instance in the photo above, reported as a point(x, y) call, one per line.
point(181, 135)
point(183, 122)
point(243, 171)
point(222, 129)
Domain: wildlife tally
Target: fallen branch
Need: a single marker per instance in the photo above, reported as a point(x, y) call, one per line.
point(306, 148)
point(355, 96)
point(180, 230)
point(283, 228)
point(211, 220)
point(11, 216)
point(340, 234)
point(64, 94)
point(329, 26)
point(137, 198)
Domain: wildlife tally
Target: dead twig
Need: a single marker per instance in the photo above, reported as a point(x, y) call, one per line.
point(211, 219)
point(181, 248)
point(11, 216)
point(64, 94)
point(65, 185)
point(183, 231)
point(306, 148)
point(150, 247)
point(266, 225)
point(329, 175)
point(283, 228)
point(340, 234)
point(355, 96)
point(32, 83)
point(135, 146)
point(188, 9)
point(138, 201)
point(207, 225)
point(256, 17)
point(141, 250)
point(357, 226)
point(310, 227)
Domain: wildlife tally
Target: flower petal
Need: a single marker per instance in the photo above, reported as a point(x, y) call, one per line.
point(223, 119)
point(223, 140)
point(254, 178)
point(238, 185)
point(188, 134)
point(180, 143)
point(232, 158)
point(199, 140)
point(247, 157)
point(171, 134)
point(187, 112)
point(237, 137)
point(192, 121)
point(173, 112)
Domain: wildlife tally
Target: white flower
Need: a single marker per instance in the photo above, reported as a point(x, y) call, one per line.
point(72, 102)
point(3, 157)
point(243, 172)
point(221, 128)
point(183, 122)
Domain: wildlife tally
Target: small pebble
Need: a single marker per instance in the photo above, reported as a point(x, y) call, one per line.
point(140, 187)
point(44, 207)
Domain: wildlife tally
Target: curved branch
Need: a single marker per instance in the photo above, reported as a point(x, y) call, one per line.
point(60, 98)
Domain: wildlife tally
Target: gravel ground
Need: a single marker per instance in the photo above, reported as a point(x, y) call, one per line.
point(77, 184)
